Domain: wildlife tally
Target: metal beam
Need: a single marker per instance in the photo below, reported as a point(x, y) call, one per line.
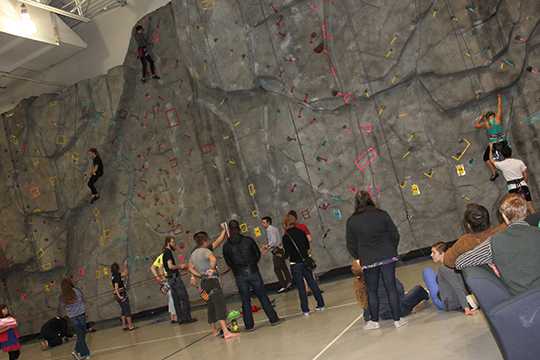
point(55, 10)
point(44, 82)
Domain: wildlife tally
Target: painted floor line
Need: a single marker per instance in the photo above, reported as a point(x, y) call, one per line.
point(195, 333)
point(337, 337)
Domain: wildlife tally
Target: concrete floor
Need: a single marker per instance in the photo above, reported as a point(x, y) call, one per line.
point(335, 333)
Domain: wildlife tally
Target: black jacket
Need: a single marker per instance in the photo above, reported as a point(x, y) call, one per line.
point(58, 325)
point(372, 236)
point(242, 254)
point(301, 241)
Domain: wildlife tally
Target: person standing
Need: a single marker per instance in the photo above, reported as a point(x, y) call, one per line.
point(515, 174)
point(121, 296)
point(413, 301)
point(274, 245)
point(143, 54)
point(373, 238)
point(494, 128)
point(296, 246)
point(9, 337)
point(95, 173)
point(242, 254)
point(73, 298)
point(179, 293)
point(161, 276)
point(202, 263)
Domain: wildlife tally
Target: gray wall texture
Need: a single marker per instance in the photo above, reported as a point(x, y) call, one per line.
point(263, 107)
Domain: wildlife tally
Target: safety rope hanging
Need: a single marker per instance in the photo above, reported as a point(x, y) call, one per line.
point(374, 102)
point(294, 125)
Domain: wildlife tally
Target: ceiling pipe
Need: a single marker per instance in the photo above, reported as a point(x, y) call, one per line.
point(44, 82)
point(55, 10)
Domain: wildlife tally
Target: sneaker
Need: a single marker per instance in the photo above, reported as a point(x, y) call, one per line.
point(472, 302)
point(280, 321)
point(156, 77)
point(75, 355)
point(372, 325)
point(44, 345)
point(305, 313)
point(420, 306)
point(400, 322)
point(281, 290)
point(494, 176)
point(289, 286)
point(319, 308)
point(88, 356)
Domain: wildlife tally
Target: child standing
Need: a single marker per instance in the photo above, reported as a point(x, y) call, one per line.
point(9, 337)
point(73, 298)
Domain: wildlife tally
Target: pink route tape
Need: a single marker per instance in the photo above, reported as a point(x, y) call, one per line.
point(324, 31)
point(370, 159)
point(365, 128)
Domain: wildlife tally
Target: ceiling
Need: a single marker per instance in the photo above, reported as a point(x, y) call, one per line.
point(54, 41)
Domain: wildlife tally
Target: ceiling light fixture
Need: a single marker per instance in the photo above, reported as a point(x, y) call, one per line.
point(29, 27)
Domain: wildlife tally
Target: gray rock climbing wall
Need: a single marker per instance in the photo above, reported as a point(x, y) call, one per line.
point(264, 107)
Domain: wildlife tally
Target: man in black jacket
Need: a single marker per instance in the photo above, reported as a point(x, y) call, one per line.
point(242, 254)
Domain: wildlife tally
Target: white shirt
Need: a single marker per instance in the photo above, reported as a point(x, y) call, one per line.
point(512, 169)
point(272, 235)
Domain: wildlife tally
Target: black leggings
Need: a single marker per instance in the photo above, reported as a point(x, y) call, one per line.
point(91, 183)
point(371, 278)
point(144, 59)
point(14, 355)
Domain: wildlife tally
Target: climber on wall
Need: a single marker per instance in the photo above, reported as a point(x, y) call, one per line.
point(496, 135)
point(143, 54)
point(95, 173)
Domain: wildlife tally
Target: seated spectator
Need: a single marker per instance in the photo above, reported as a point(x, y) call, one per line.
point(415, 300)
point(446, 288)
point(54, 330)
point(477, 218)
point(533, 219)
point(512, 253)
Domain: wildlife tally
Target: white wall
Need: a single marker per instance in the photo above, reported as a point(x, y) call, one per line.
point(107, 37)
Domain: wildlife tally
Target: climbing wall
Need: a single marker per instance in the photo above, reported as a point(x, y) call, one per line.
point(263, 107)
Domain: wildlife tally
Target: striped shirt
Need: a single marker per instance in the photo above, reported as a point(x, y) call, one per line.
point(480, 255)
point(77, 307)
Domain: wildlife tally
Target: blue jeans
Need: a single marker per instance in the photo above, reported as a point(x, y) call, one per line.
point(430, 278)
point(180, 297)
point(256, 282)
point(79, 325)
point(371, 278)
point(411, 299)
point(300, 272)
